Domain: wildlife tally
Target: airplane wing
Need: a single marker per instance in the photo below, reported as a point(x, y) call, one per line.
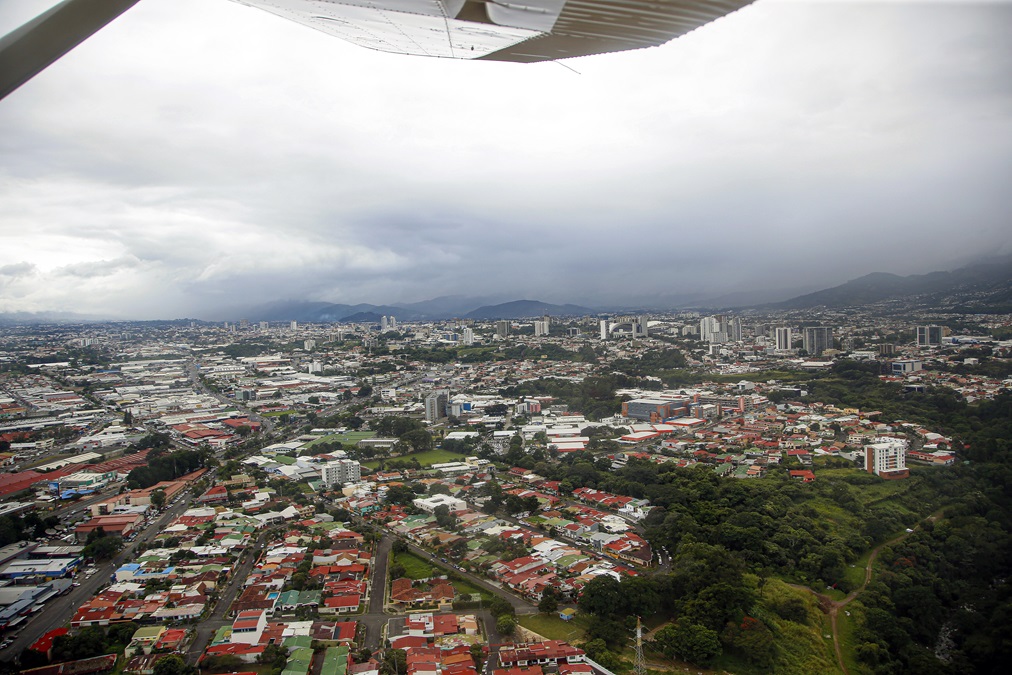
point(524, 31)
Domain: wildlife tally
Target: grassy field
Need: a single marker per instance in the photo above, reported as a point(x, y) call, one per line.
point(427, 458)
point(350, 437)
point(554, 628)
point(414, 567)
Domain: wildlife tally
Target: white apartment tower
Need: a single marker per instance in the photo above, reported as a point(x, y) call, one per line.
point(605, 327)
point(713, 329)
point(468, 338)
point(435, 405)
point(342, 471)
point(886, 457)
point(784, 337)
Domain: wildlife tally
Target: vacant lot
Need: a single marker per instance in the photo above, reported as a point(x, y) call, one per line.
point(427, 458)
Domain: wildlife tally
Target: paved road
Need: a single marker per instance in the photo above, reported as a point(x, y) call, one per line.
point(60, 610)
point(209, 626)
point(374, 618)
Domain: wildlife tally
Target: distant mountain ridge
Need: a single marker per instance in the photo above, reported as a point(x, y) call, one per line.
point(519, 309)
point(988, 281)
point(446, 307)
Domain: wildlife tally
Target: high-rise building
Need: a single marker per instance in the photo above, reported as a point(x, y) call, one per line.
point(468, 337)
point(784, 336)
point(294, 325)
point(502, 328)
point(605, 328)
point(818, 339)
point(264, 325)
point(929, 336)
point(887, 457)
point(713, 329)
point(435, 405)
point(341, 472)
point(384, 324)
point(734, 330)
point(643, 326)
point(309, 345)
point(541, 328)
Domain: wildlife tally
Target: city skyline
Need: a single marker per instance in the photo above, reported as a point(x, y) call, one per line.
point(195, 157)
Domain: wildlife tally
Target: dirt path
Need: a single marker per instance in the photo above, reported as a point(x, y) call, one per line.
point(832, 607)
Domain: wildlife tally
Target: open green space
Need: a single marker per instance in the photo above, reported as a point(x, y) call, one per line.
point(465, 587)
point(414, 567)
point(427, 458)
point(278, 413)
point(554, 628)
point(348, 437)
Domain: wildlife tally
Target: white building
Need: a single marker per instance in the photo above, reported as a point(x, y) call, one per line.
point(886, 457)
point(784, 337)
point(430, 504)
point(341, 472)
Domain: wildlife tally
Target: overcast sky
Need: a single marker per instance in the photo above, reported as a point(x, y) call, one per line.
point(198, 155)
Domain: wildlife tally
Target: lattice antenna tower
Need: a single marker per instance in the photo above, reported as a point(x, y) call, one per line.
point(640, 667)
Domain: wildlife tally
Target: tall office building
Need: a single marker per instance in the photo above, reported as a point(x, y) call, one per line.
point(341, 472)
point(929, 336)
point(435, 405)
point(605, 327)
point(818, 339)
point(784, 336)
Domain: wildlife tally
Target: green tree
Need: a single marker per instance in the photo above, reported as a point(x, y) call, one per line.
point(689, 641)
point(506, 624)
point(158, 499)
point(499, 606)
point(173, 664)
point(602, 596)
point(548, 603)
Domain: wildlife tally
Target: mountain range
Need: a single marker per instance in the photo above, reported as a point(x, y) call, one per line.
point(984, 286)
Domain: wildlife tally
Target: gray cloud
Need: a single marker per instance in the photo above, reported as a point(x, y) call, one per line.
point(195, 156)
